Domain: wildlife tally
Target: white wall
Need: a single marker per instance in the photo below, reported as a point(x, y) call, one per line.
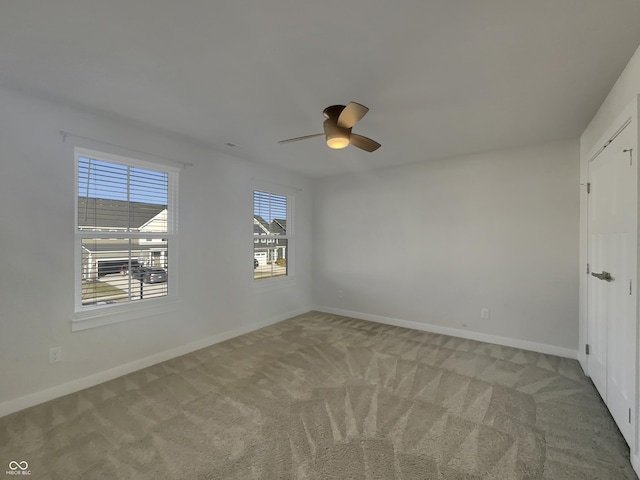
point(36, 249)
point(623, 92)
point(435, 242)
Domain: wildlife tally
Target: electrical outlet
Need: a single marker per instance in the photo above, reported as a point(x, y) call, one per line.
point(484, 313)
point(55, 354)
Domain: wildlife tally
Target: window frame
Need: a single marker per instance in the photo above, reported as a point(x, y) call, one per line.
point(289, 278)
point(89, 316)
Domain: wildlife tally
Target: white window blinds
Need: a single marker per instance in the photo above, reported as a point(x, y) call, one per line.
point(114, 196)
point(271, 235)
point(124, 229)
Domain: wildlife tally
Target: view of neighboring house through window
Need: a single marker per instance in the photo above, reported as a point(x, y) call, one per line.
point(124, 227)
point(271, 235)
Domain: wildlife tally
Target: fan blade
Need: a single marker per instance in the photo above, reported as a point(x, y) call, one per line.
point(351, 115)
point(301, 138)
point(364, 143)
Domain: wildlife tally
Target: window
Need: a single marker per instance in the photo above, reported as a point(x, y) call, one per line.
point(272, 239)
point(125, 228)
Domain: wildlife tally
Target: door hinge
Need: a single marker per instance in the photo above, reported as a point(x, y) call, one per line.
point(630, 150)
point(629, 415)
point(588, 270)
point(630, 287)
point(589, 187)
point(587, 349)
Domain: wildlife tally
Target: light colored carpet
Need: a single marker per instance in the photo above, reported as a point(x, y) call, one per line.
point(326, 397)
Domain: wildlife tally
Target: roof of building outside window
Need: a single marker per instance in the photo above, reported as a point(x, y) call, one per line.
point(115, 214)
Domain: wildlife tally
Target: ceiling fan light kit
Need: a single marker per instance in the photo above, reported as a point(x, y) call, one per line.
point(337, 128)
point(337, 137)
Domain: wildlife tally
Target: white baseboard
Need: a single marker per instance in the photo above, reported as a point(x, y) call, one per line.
point(635, 463)
point(582, 360)
point(11, 406)
point(455, 332)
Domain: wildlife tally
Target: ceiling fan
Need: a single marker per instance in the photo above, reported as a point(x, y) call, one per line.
point(337, 128)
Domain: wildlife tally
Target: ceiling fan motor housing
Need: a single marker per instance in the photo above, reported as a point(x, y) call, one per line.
point(333, 111)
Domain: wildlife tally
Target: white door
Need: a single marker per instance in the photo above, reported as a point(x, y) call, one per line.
point(612, 258)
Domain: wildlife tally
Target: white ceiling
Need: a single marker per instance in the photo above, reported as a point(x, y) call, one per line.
point(441, 77)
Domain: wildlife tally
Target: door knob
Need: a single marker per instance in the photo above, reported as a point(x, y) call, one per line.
point(606, 276)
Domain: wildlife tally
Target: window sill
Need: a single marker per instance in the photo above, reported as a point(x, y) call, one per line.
point(276, 283)
point(99, 317)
